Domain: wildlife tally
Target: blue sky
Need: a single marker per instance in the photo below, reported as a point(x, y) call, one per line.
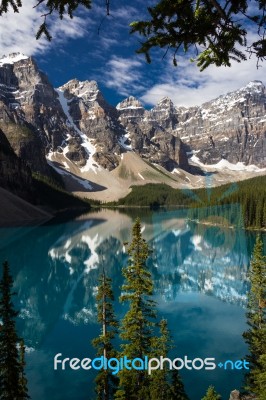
point(79, 51)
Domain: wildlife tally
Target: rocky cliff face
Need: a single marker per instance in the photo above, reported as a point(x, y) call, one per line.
point(15, 175)
point(151, 133)
point(30, 113)
point(96, 118)
point(231, 127)
point(127, 127)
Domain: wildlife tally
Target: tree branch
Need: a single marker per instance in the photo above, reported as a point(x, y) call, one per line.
point(39, 2)
point(219, 9)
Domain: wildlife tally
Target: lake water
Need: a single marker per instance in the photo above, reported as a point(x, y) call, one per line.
point(200, 284)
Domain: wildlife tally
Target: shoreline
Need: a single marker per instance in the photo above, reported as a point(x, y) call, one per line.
point(162, 208)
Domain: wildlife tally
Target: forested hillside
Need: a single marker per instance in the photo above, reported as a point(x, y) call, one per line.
point(248, 196)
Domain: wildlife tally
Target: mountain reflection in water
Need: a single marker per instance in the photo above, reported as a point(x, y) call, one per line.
point(200, 284)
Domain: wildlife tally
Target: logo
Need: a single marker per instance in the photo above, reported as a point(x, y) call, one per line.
point(148, 364)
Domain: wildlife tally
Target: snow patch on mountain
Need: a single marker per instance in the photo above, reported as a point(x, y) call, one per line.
point(86, 142)
point(122, 141)
point(131, 103)
point(93, 260)
point(12, 58)
point(226, 164)
point(83, 182)
point(127, 108)
point(230, 99)
point(196, 240)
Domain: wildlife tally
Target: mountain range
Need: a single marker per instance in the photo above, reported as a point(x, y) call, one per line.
point(100, 150)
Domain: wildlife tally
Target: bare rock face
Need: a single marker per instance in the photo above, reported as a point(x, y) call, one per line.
point(106, 160)
point(165, 114)
point(15, 175)
point(231, 127)
point(235, 395)
point(130, 110)
point(28, 100)
point(75, 151)
point(26, 145)
point(151, 132)
point(96, 118)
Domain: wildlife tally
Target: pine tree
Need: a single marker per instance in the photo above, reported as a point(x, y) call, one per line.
point(106, 382)
point(260, 378)
point(159, 383)
point(177, 387)
point(10, 366)
point(165, 384)
point(264, 215)
point(255, 336)
point(211, 394)
point(138, 323)
point(23, 389)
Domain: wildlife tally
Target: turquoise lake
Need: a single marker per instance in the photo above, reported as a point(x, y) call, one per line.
point(200, 285)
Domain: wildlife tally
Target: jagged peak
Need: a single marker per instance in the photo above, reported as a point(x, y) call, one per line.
point(75, 84)
point(129, 102)
point(73, 81)
point(165, 100)
point(165, 104)
point(255, 85)
point(12, 58)
point(230, 99)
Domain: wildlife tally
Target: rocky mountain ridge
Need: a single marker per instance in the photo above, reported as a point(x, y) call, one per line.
point(74, 130)
point(231, 127)
point(15, 175)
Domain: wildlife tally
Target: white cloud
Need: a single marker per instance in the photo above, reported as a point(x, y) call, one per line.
point(17, 31)
point(125, 13)
point(120, 15)
point(114, 29)
point(187, 86)
point(108, 42)
point(123, 74)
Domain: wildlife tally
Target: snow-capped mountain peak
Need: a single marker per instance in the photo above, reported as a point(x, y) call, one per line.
point(254, 85)
point(129, 103)
point(165, 100)
point(12, 58)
